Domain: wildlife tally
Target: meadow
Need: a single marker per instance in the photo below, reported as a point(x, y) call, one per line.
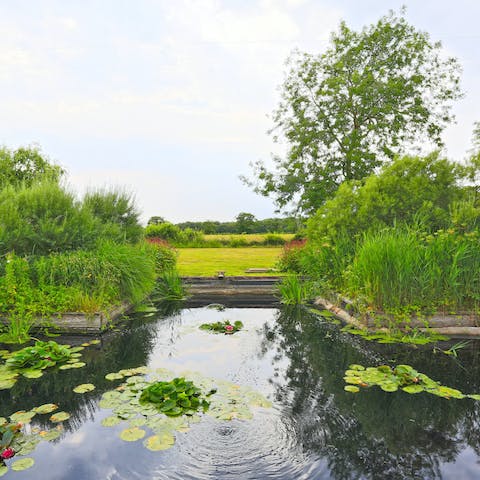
point(233, 261)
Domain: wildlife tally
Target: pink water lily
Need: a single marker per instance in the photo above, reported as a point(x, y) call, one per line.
point(229, 328)
point(7, 453)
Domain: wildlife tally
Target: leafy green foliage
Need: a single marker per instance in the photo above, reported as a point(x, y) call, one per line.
point(25, 166)
point(395, 336)
point(117, 214)
point(43, 218)
point(294, 291)
point(346, 111)
point(224, 327)
point(408, 190)
point(174, 398)
point(401, 377)
point(165, 407)
point(170, 287)
point(40, 356)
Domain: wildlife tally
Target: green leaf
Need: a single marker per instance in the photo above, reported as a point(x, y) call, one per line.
point(111, 421)
point(351, 388)
point(23, 464)
point(162, 441)
point(59, 417)
point(46, 408)
point(132, 434)
point(84, 388)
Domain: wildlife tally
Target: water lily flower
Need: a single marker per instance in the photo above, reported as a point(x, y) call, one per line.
point(229, 328)
point(7, 453)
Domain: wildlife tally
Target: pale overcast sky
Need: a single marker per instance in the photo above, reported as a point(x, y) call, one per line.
point(171, 98)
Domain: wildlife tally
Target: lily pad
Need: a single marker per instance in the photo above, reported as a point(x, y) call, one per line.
point(162, 441)
point(46, 408)
point(413, 389)
point(78, 365)
point(111, 421)
point(22, 464)
point(84, 388)
point(8, 383)
point(351, 388)
point(31, 373)
point(3, 421)
point(132, 434)
point(59, 417)
point(22, 416)
point(50, 435)
point(67, 366)
point(3, 470)
point(113, 376)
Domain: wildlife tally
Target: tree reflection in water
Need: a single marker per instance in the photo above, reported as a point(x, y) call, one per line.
point(372, 434)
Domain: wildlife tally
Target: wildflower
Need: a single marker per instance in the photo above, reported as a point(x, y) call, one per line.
point(7, 453)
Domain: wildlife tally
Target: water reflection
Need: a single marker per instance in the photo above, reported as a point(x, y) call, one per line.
point(316, 430)
point(372, 434)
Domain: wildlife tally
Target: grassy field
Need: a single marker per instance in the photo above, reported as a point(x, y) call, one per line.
point(248, 237)
point(233, 261)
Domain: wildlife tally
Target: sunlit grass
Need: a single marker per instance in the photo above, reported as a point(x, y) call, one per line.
point(249, 238)
point(233, 261)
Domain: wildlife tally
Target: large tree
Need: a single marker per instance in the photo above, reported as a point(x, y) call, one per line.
point(346, 111)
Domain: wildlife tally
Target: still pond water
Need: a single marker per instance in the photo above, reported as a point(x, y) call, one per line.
point(315, 430)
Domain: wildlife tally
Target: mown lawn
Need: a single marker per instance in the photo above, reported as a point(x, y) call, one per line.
point(233, 261)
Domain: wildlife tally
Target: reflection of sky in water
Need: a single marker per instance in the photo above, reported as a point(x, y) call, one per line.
point(315, 430)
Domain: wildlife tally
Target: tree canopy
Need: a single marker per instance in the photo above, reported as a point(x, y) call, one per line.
point(346, 111)
point(25, 166)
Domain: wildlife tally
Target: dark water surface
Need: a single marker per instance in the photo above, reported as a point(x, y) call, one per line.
point(315, 429)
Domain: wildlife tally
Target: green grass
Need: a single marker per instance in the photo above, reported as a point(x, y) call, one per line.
point(248, 237)
point(233, 261)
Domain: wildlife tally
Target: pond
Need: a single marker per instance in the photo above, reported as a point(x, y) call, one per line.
point(314, 429)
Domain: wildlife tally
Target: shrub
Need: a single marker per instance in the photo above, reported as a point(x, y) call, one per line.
point(290, 258)
point(408, 189)
point(117, 214)
point(165, 255)
point(272, 239)
point(166, 231)
point(43, 218)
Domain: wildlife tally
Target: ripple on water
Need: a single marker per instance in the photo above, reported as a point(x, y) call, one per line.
point(264, 448)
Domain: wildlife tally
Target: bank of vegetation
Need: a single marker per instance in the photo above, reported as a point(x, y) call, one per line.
point(59, 253)
point(403, 241)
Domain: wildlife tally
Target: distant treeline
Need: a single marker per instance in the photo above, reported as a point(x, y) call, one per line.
point(244, 223)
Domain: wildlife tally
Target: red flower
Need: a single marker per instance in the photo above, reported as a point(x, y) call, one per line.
point(229, 328)
point(7, 453)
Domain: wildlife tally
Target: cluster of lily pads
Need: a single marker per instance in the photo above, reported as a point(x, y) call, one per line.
point(224, 327)
point(177, 397)
point(18, 441)
point(143, 400)
point(396, 336)
point(402, 377)
point(33, 360)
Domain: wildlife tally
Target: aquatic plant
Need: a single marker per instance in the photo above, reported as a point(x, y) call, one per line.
point(176, 397)
point(16, 440)
point(41, 355)
point(223, 327)
point(414, 337)
point(229, 401)
point(30, 362)
point(402, 377)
